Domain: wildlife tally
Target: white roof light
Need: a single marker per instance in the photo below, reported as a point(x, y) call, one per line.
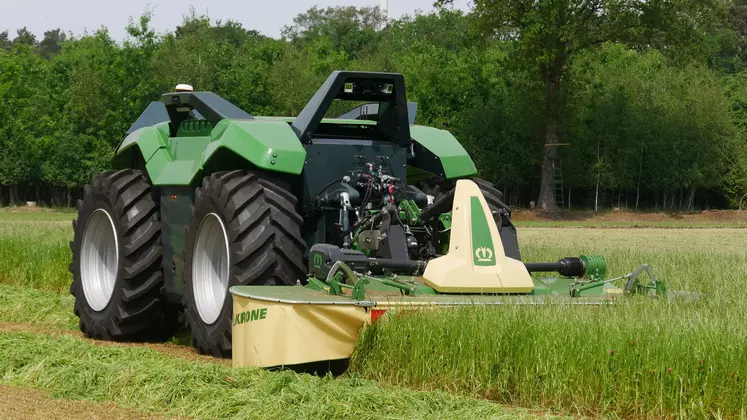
point(181, 87)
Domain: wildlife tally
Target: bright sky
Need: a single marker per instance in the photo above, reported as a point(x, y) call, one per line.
point(265, 16)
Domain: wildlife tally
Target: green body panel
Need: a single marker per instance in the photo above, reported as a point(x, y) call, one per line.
point(188, 148)
point(270, 145)
point(148, 139)
point(454, 159)
point(265, 143)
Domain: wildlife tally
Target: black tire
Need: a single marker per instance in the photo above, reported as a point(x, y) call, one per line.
point(136, 310)
point(265, 245)
point(501, 212)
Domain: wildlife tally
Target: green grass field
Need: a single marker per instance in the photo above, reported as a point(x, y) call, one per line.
point(592, 224)
point(638, 358)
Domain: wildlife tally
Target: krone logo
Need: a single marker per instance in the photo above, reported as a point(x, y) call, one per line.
point(484, 254)
point(317, 260)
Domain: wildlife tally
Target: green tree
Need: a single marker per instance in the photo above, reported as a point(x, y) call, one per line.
point(21, 76)
point(4, 41)
point(351, 30)
point(641, 124)
point(547, 35)
point(24, 37)
point(52, 43)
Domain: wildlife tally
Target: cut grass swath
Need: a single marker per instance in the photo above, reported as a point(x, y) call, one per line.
point(146, 380)
point(38, 307)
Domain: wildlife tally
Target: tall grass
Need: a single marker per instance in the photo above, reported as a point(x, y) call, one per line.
point(150, 381)
point(640, 357)
point(634, 359)
point(35, 254)
point(595, 224)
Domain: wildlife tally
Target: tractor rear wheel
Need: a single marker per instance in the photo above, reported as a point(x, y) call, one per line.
point(116, 267)
point(437, 187)
point(244, 230)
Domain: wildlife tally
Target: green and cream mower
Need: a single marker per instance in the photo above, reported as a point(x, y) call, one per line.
point(280, 237)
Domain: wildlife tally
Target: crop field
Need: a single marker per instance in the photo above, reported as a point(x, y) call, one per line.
point(638, 358)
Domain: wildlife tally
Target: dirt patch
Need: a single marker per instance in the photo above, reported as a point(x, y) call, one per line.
point(24, 403)
point(709, 216)
point(173, 350)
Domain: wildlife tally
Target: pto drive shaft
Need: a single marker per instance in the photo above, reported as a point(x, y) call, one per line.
point(568, 266)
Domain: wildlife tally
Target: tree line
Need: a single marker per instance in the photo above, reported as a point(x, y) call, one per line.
point(580, 103)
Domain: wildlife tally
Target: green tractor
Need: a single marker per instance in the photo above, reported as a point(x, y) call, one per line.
point(364, 209)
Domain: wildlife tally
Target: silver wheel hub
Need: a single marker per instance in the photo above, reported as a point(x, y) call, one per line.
point(210, 262)
point(99, 259)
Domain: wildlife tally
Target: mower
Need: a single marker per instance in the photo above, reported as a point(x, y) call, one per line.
point(278, 238)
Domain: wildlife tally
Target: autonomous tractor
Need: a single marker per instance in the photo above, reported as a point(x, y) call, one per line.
point(275, 239)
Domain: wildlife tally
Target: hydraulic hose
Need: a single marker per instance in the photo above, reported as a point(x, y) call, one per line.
point(442, 205)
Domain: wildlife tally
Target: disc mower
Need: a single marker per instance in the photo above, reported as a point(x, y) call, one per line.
point(280, 237)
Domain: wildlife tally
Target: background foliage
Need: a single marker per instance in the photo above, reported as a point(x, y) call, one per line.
point(654, 106)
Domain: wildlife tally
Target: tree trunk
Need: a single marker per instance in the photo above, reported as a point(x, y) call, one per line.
point(596, 198)
point(13, 194)
point(681, 194)
point(619, 193)
point(691, 200)
point(547, 193)
point(569, 197)
point(638, 185)
point(637, 195)
point(546, 200)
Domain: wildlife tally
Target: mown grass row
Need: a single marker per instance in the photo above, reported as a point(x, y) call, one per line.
point(38, 307)
point(640, 357)
point(74, 368)
point(147, 380)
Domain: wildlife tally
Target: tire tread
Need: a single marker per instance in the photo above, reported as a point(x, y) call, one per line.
point(266, 246)
point(137, 311)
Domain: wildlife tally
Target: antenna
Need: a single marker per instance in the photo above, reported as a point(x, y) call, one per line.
point(385, 8)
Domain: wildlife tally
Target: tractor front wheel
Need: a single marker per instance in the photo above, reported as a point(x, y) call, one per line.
point(117, 277)
point(244, 230)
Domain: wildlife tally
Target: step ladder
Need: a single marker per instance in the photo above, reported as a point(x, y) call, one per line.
point(557, 177)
